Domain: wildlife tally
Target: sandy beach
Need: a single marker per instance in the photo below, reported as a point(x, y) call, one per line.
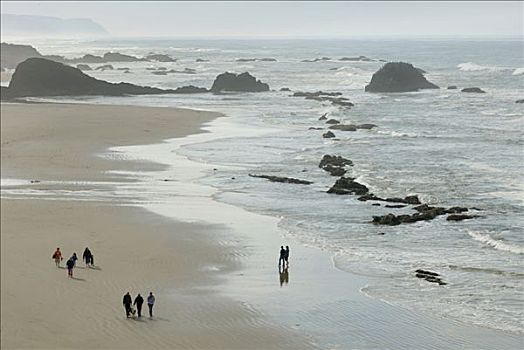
point(134, 249)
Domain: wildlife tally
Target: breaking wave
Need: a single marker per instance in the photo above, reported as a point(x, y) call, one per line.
point(499, 245)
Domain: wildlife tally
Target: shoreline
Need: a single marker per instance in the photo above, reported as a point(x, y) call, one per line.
point(257, 281)
point(317, 296)
point(86, 312)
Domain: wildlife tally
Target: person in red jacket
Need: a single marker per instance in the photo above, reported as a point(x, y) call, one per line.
point(57, 256)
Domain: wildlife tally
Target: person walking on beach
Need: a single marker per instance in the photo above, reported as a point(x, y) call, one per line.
point(88, 257)
point(127, 303)
point(57, 256)
point(70, 265)
point(286, 256)
point(74, 258)
point(150, 303)
point(282, 258)
point(138, 302)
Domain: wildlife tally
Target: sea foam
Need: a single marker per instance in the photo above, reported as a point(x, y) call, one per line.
point(499, 245)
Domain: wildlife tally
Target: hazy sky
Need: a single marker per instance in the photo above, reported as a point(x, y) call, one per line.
point(288, 19)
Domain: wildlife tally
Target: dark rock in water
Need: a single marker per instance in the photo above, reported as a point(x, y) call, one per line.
point(334, 161)
point(118, 57)
point(411, 200)
point(282, 179)
point(328, 135)
point(105, 67)
point(256, 59)
point(398, 77)
point(473, 90)
point(343, 127)
point(285, 89)
point(160, 58)
point(160, 72)
point(162, 68)
point(318, 59)
point(356, 59)
point(316, 94)
point(395, 206)
point(389, 219)
point(333, 97)
point(348, 186)
point(201, 60)
point(190, 89)
point(365, 126)
point(455, 210)
point(332, 121)
point(83, 67)
point(460, 217)
point(429, 276)
point(323, 117)
point(369, 197)
point(122, 68)
point(452, 87)
point(519, 101)
point(12, 54)
point(244, 82)
point(376, 204)
point(41, 77)
point(335, 170)
point(314, 128)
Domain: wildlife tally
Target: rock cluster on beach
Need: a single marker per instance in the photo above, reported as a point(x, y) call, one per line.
point(424, 213)
point(160, 58)
point(473, 90)
point(398, 77)
point(243, 82)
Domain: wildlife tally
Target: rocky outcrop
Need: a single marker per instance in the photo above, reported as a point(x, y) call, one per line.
point(318, 59)
point(452, 87)
point(333, 121)
point(398, 77)
point(424, 213)
point(190, 89)
point(244, 82)
point(84, 67)
point(348, 185)
point(519, 101)
point(105, 67)
point(473, 90)
point(12, 54)
point(256, 60)
point(430, 276)
point(328, 135)
point(406, 200)
point(333, 97)
point(335, 165)
point(160, 58)
point(460, 217)
point(282, 179)
point(357, 59)
point(201, 60)
point(41, 77)
point(351, 127)
point(285, 89)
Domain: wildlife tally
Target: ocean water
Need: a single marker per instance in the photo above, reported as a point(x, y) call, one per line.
point(447, 147)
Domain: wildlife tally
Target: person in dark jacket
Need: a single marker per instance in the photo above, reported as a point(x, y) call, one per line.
point(74, 258)
point(70, 265)
point(282, 258)
point(138, 302)
point(286, 256)
point(88, 257)
point(127, 303)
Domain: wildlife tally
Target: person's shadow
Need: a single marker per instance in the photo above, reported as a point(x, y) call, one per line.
point(284, 275)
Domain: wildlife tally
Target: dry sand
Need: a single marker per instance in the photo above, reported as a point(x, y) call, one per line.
point(134, 250)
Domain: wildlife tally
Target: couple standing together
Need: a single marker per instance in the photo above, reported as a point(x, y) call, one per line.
point(138, 302)
point(284, 256)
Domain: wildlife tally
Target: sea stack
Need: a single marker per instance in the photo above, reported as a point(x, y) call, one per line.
point(244, 82)
point(398, 77)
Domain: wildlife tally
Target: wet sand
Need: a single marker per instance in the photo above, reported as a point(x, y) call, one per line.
point(134, 249)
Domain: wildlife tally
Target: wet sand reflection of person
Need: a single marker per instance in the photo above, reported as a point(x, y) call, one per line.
point(284, 275)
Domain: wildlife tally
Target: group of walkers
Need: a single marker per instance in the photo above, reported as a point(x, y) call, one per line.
point(71, 262)
point(138, 303)
point(284, 256)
